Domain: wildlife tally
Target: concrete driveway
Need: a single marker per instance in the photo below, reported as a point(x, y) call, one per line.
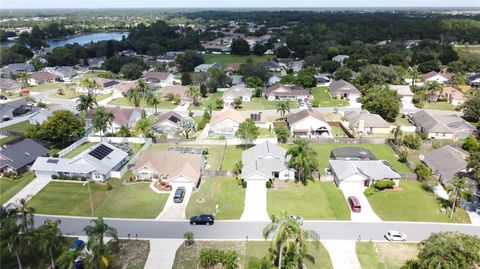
point(356, 189)
point(343, 253)
point(32, 188)
point(255, 201)
point(175, 211)
point(352, 103)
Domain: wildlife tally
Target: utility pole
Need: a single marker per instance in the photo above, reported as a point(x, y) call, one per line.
point(90, 195)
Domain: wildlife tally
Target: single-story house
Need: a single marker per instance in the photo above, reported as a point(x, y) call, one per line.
point(232, 68)
point(274, 79)
point(124, 86)
point(364, 172)
point(106, 83)
point(340, 58)
point(343, 90)
point(352, 154)
point(10, 85)
point(406, 95)
point(122, 116)
point(283, 92)
point(322, 80)
point(38, 78)
point(15, 108)
point(438, 77)
point(170, 167)
point(441, 126)
point(308, 123)
point(162, 78)
point(454, 96)
point(364, 122)
point(167, 123)
point(266, 161)
point(237, 91)
point(237, 80)
point(225, 123)
point(65, 73)
point(272, 66)
point(43, 114)
point(205, 67)
point(95, 163)
point(446, 163)
point(18, 157)
point(95, 62)
point(166, 58)
point(473, 80)
point(175, 89)
point(11, 70)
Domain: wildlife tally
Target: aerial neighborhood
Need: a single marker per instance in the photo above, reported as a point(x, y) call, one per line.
point(265, 120)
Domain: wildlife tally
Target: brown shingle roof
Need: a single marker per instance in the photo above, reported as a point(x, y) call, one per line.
point(43, 76)
point(281, 89)
point(295, 117)
point(168, 116)
point(228, 114)
point(341, 86)
point(122, 115)
point(156, 75)
point(175, 89)
point(433, 73)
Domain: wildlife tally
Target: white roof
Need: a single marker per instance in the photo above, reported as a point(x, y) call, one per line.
point(371, 169)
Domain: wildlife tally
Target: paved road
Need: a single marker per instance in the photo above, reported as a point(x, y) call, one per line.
point(238, 230)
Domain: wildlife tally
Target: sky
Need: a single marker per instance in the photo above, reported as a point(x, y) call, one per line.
point(29, 4)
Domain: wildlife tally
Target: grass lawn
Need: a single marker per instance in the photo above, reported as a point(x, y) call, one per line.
point(8, 188)
point(225, 59)
point(322, 94)
point(123, 101)
point(439, 106)
point(468, 52)
point(6, 140)
point(389, 255)
point(22, 126)
point(402, 121)
point(132, 254)
point(265, 132)
point(411, 203)
point(317, 200)
point(46, 87)
point(221, 191)
point(135, 200)
point(79, 149)
point(338, 132)
point(260, 103)
point(66, 95)
point(232, 155)
point(211, 100)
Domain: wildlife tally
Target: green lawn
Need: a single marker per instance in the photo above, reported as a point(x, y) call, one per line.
point(19, 127)
point(46, 87)
point(8, 188)
point(468, 52)
point(260, 103)
point(6, 140)
point(338, 132)
point(439, 106)
point(222, 191)
point(322, 94)
point(211, 100)
point(402, 121)
point(225, 59)
point(123, 101)
point(265, 132)
point(411, 203)
point(79, 149)
point(232, 155)
point(136, 200)
point(317, 200)
point(385, 255)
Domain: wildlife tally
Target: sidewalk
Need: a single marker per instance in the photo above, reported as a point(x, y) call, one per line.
point(30, 190)
point(162, 253)
point(343, 254)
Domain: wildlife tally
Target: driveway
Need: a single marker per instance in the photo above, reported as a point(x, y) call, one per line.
point(356, 189)
point(354, 104)
point(255, 201)
point(162, 253)
point(182, 108)
point(175, 211)
point(343, 254)
point(35, 186)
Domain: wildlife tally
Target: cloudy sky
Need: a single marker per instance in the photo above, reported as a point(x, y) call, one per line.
point(9, 4)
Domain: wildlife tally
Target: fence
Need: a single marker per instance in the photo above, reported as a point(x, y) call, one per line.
point(344, 129)
point(131, 162)
point(410, 165)
point(218, 173)
point(441, 143)
point(363, 140)
point(11, 133)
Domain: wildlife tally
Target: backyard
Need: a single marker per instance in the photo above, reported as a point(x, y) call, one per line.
point(79, 149)
point(385, 255)
point(222, 191)
point(317, 200)
point(412, 203)
point(8, 187)
point(225, 59)
point(325, 100)
point(439, 106)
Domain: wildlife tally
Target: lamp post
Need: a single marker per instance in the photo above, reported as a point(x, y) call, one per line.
point(89, 194)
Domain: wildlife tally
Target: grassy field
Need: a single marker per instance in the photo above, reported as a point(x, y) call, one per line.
point(225, 59)
point(19, 127)
point(322, 94)
point(221, 191)
point(389, 255)
point(79, 149)
point(8, 188)
point(317, 200)
point(136, 200)
point(187, 258)
point(439, 106)
point(46, 87)
point(411, 203)
point(468, 52)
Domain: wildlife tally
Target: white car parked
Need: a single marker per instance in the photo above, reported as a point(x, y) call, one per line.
point(395, 236)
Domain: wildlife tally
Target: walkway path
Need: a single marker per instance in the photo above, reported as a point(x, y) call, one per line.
point(255, 201)
point(162, 253)
point(35, 186)
point(342, 253)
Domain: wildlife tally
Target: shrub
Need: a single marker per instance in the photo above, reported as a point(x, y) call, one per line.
point(471, 144)
point(54, 176)
point(412, 141)
point(188, 236)
point(369, 191)
point(423, 172)
point(384, 184)
point(10, 175)
point(244, 183)
point(316, 103)
point(202, 123)
point(109, 186)
point(436, 144)
point(205, 151)
point(222, 137)
point(210, 257)
point(269, 184)
point(403, 156)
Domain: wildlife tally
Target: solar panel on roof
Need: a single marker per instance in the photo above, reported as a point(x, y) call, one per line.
point(52, 161)
point(100, 152)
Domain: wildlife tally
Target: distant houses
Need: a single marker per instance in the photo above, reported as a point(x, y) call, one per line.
point(340, 58)
point(160, 78)
point(205, 67)
point(437, 77)
point(473, 80)
point(9, 85)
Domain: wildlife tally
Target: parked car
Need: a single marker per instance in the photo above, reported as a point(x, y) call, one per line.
point(204, 219)
point(297, 219)
point(179, 194)
point(395, 236)
point(354, 204)
point(3, 97)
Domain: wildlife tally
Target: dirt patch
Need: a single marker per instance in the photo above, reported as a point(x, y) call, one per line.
point(132, 254)
point(394, 255)
point(187, 258)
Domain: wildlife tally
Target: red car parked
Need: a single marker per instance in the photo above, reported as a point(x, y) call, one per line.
point(354, 204)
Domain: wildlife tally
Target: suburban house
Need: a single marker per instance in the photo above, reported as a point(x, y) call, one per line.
point(441, 126)
point(237, 91)
point(343, 90)
point(170, 167)
point(274, 79)
point(283, 92)
point(38, 78)
point(65, 73)
point(106, 83)
point(232, 68)
point(438, 77)
point(322, 80)
point(308, 123)
point(266, 161)
point(9, 85)
point(95, 62)
point(473, 80)
point(237, 80)
point(272, 66)
point(124, 86)
point(454, 96)
point(205, 67)
point(352, 154)
point(167, 123)
point(161, 78)
point(165, 59)
point(18, 157)
point(11, 70)
point(446, 163)
point(175, 90)
point(362, 173)
point(340, 58)
point(43, 114)
point(15, 108)
point(95, 163)
point(365, 123)
point(122, 116)
point(406, 95)
point(225, 123)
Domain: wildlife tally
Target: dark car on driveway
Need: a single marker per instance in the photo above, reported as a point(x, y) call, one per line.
point(204, 219)
point(179, 194)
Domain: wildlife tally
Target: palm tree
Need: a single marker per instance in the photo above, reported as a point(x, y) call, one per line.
point(23, 78)
point(102, 119)
point(96, 233)
point(124, 131)
point(26, 215)
point(143, 87)
point(194, 93)
point(303, 158)
point(13, 237)
point(414, 73)
point(459, 189)
point(152, 100)
point(68, 257)
point(143, 127)
point(283, 107)
point(85, 102)
point(134, 97)
point(90, 84)
point(51, 238)
point(434, 88)
point(283, 229)
point(397, 133)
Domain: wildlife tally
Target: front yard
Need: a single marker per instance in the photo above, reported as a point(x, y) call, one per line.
point(221, 191)
point(439, 106)
point(46, 87)
point(260, 103)
point(385, 255)
point(322, 94)
point(411, 203)
point(8, 187)
point(317, 200)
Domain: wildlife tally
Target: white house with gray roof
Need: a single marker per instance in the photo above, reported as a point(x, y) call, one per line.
point(441, 126)
point(266, 161)
point(237, 91)
point(346, 171)
point(366, 123)
point(446, 163)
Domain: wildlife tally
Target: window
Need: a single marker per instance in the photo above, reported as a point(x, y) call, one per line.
point(286, 174)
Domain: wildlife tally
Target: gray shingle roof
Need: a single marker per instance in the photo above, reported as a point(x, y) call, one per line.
point(263, 158)
point(370, 120)
point(445, 162)
point(22, 153)
point(429, 123)
point(374, 169)
point(341, 86)
point(237, 91)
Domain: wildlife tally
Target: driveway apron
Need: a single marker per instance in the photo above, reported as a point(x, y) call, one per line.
point(255, 201)
point(356, 189)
